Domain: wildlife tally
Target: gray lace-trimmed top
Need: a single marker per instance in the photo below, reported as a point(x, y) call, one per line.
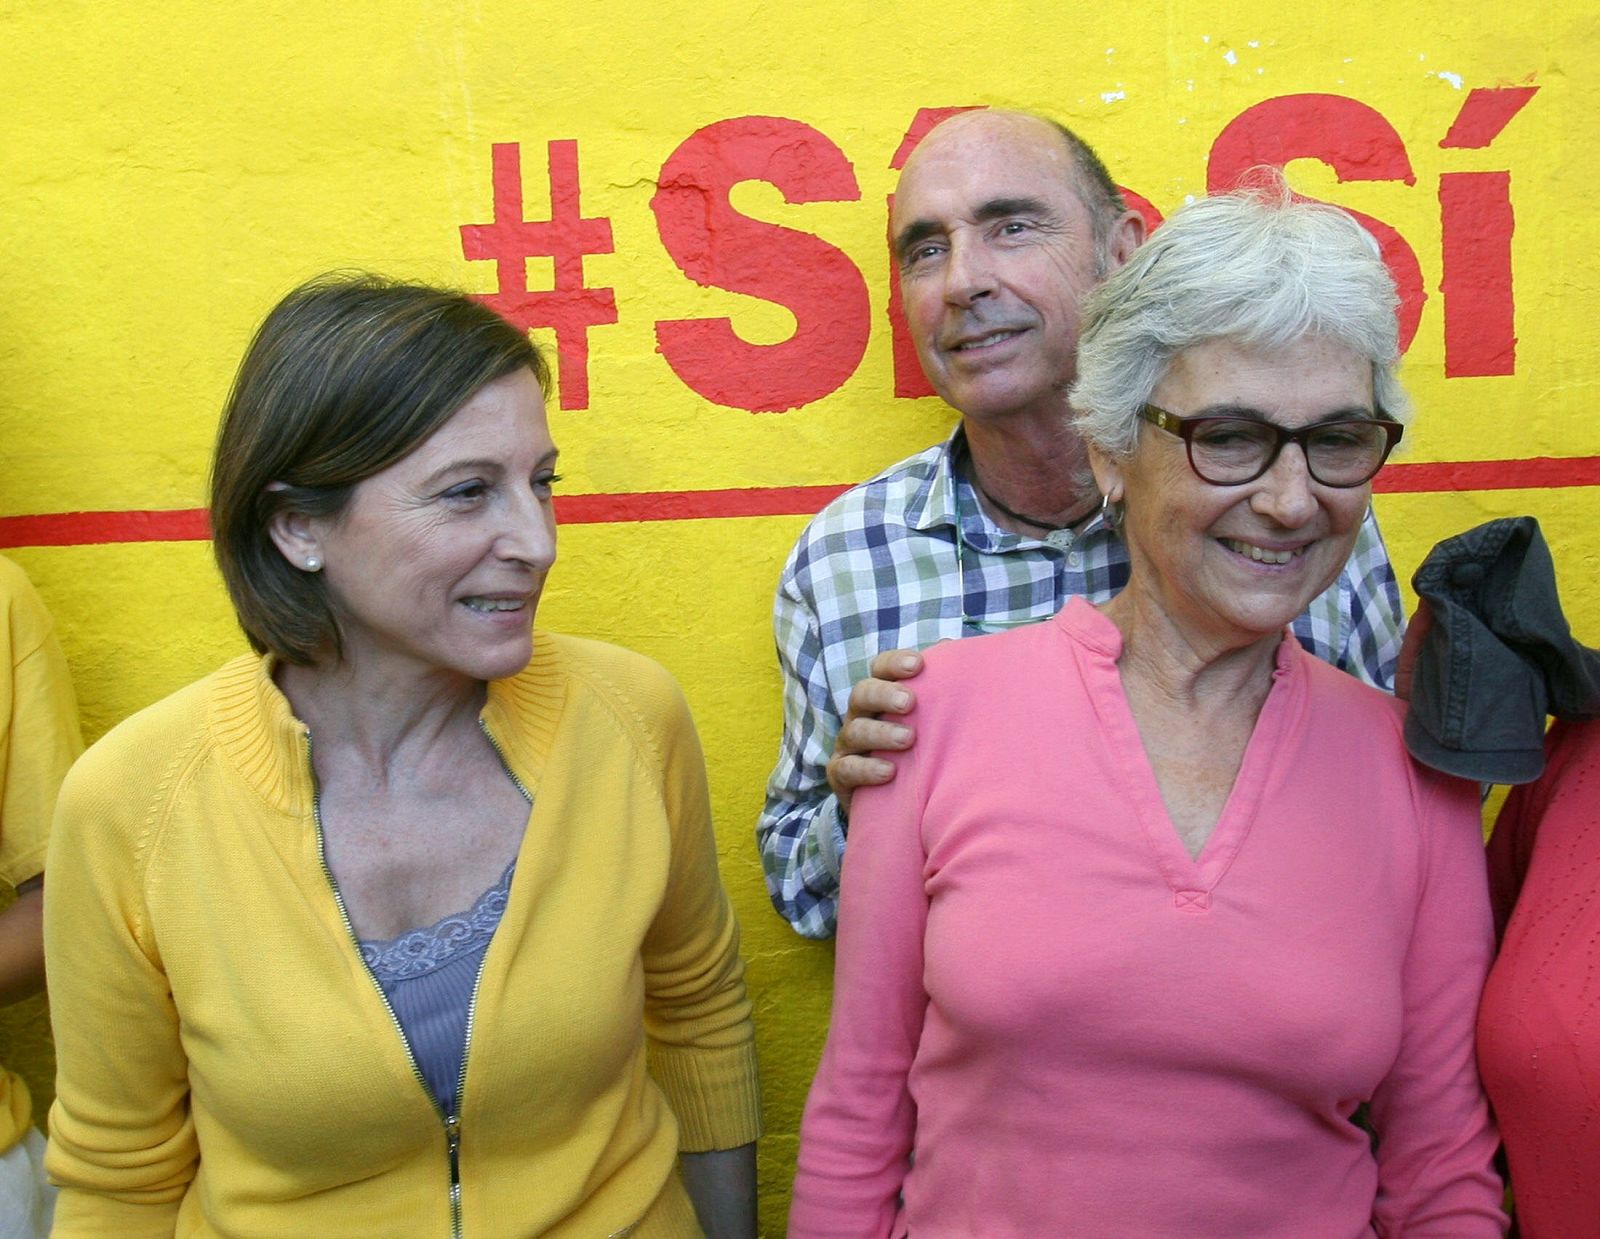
point(428, 975)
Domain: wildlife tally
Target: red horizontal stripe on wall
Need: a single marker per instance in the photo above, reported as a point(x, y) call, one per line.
point(1535, 473)
point(693, 505)
point(92, 528)
point(190, 525)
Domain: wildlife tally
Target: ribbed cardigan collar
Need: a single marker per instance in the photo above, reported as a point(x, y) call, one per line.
point(258, 734)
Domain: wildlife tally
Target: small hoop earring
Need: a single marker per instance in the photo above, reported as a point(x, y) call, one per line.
point(313, 564)
point(1111, 512)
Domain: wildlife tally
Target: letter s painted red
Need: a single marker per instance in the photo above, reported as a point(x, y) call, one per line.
point(716, 246)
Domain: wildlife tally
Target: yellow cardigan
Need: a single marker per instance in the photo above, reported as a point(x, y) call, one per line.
point(38, 740)
point(227, 1064)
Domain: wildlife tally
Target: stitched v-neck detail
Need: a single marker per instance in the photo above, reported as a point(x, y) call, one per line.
point(1193, 880)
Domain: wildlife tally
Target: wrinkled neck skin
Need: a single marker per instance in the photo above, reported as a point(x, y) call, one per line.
point(388, 722)
point(1034, 463)
point(1188, 671)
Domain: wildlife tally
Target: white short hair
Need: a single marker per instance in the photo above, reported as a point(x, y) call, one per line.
point(1253, 266)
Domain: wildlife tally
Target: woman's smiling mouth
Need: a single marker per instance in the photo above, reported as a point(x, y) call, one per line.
point(1261, 554)
point(493, 605)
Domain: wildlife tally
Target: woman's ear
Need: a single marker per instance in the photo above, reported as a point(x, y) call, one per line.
point(1107, 470)
point(297, 536)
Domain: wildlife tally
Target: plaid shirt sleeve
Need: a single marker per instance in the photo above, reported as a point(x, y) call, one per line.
point(800, 832)
point(1376, 620)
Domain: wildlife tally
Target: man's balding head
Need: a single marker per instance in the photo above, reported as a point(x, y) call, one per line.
point(1086, 172)
point(1002, 222)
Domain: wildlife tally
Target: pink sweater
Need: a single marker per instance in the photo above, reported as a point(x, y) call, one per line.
point(1076, 1029)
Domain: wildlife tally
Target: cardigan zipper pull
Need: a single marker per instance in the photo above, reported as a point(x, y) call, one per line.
point(452, 1135)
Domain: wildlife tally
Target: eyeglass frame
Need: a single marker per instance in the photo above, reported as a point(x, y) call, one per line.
point(1185, 428)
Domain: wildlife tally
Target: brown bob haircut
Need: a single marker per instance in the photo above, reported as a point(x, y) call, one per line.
point(348, 374)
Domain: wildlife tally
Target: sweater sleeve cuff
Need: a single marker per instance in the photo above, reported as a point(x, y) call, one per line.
point(25, 865)
point(713, 1092)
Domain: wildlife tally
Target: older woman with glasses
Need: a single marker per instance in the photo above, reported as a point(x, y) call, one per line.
point(1158, 901)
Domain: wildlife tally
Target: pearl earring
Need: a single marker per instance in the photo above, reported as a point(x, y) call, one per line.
point(313, 564)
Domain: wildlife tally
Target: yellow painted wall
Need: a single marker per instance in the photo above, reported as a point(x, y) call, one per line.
point(168, 170)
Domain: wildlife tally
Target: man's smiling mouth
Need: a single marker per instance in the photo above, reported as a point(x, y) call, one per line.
point(988, 341)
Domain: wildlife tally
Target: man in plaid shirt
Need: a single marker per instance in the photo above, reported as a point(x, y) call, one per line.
point(1002, 222)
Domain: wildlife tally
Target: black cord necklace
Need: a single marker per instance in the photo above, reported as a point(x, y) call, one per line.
point(1047, 526)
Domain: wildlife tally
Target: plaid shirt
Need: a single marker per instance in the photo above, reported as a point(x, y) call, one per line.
point(909, 558)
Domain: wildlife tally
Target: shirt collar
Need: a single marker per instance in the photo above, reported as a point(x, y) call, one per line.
point(943, 500)
point(935, 502)
point(255, 725)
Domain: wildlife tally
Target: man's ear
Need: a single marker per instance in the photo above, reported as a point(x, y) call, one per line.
point(297, 536)
point(1127, 235)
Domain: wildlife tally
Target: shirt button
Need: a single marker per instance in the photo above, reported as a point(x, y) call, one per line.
point(1074, 559)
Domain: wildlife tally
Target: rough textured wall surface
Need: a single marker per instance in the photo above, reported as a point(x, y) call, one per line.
point(705, 191)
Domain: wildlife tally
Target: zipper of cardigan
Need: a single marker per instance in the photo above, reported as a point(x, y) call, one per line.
point(505, 765)
point(453, 1119)
point(452, 1136)
point(452, 1122)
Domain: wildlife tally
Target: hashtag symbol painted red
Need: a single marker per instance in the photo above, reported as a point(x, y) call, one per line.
point(570, 308)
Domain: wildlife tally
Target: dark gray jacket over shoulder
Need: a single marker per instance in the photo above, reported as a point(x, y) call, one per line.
point(1499, 657)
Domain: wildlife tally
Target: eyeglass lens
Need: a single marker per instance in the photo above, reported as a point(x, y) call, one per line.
point(1229, 451)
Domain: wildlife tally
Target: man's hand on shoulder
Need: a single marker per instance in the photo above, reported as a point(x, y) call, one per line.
point(866, 731)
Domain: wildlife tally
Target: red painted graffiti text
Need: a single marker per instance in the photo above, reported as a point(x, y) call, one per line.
point(717, 246)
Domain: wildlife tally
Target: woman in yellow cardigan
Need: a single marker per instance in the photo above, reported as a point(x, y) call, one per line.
point(412, 924)
point(38, 741)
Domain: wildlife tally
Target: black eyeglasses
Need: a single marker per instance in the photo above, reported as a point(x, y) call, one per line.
point(1230, 451)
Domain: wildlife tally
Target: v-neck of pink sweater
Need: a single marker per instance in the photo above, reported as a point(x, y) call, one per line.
point(1098, 645)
